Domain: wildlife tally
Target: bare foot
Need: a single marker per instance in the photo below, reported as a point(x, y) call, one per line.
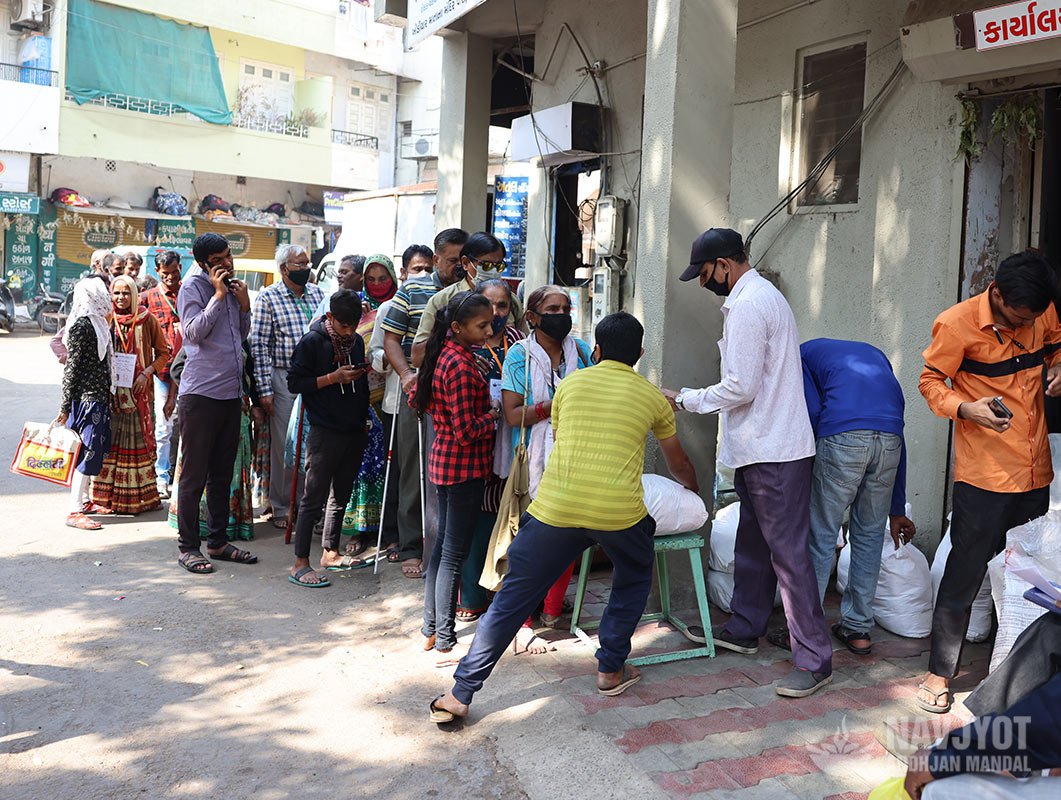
point(527, 641)
point(452, 705)
point(936, 684)
point(450, 658)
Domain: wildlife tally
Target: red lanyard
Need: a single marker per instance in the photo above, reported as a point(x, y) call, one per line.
point(127, 343)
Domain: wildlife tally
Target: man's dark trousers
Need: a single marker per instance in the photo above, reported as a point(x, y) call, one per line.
point(410, 520)
point(210, 437)
point(333, 460)
point(980, 521)
point(537, 557)
point(773, 549)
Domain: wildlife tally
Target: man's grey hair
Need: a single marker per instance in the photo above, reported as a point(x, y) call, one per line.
point(286, 252)
point(98, 255)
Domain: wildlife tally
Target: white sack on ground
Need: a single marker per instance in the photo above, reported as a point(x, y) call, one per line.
point(981, 619)
point(674, 508)
point(723, 538)
point(903, 603)
point(720, 590)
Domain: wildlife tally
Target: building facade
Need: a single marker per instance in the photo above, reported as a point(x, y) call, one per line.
point(717, 113)
point(266, 104)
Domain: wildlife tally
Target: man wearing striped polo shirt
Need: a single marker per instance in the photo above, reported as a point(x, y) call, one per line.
point(590, 494)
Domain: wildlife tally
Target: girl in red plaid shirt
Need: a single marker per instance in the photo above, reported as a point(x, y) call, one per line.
point(452, 389)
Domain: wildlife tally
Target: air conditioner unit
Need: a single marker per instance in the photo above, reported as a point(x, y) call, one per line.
point(27, 14)
point(420, 148)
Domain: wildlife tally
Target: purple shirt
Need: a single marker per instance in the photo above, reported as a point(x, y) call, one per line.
point(214, 331)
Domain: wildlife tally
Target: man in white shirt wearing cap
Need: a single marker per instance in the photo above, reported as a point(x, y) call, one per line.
point(768, 441)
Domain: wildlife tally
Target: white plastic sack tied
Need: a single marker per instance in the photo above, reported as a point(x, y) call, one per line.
point(674, 508)
point(903, 603)
point(982, 617)
point(1038, 543)
point(721, 558)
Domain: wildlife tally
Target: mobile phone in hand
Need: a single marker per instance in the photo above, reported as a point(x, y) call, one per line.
point(999, 408)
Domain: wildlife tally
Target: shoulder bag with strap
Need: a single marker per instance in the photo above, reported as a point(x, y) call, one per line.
point(515, 498)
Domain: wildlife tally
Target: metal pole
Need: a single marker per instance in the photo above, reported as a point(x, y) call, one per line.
point(386, 483)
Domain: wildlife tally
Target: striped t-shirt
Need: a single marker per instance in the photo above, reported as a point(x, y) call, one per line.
point(407, 306)
point(601, 417)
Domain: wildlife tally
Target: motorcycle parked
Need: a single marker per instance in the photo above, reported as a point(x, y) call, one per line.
point(7, 308)
point(42, 303)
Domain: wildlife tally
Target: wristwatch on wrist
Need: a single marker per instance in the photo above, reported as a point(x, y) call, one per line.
point(679, 401)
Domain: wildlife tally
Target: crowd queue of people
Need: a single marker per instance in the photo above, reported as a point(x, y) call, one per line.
point(338, 411)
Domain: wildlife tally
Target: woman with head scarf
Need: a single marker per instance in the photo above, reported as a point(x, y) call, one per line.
point(533, 369)
point(126, 482)
point(87, 387)
point(362, 519)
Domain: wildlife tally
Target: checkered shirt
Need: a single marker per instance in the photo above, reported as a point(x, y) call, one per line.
point(164, 308)
point(278, 321)
point(464, 430)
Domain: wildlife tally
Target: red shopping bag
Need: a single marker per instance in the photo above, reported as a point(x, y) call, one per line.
point(47, 452)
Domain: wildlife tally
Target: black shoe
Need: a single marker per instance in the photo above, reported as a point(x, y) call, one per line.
point(847, 636)
point(802, 682)
point(779, 637)
point(722, 639)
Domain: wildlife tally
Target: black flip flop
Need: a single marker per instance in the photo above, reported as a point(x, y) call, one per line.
point(439, 715)
point(847, 637)
point(190, 561)
point(235, 555)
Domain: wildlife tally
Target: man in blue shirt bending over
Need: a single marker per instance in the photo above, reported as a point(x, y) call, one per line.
point(856, 409)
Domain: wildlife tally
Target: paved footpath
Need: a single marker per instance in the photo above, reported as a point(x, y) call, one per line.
point(122, 676)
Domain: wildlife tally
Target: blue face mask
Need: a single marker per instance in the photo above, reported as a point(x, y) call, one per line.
point(498, 324)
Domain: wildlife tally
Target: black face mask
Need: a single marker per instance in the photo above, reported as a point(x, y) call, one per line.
point(555, 326)
point(497, 324)
point(721, 288)
point(299, 277)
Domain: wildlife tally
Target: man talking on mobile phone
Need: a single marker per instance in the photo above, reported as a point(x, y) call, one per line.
point(215, 313)
point(991, 348)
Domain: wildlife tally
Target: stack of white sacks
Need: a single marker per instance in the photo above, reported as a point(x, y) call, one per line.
point(721, 559)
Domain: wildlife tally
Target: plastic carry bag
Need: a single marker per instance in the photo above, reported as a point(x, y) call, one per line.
point(891, 789)
point(1037, 543)
point(982, 619)
point(674, 508)
point(47, 452)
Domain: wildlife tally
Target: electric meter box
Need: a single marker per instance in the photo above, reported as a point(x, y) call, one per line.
point(609, 225)
point(606, 290)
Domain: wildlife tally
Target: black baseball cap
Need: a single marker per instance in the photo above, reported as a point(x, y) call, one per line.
point(710, 245)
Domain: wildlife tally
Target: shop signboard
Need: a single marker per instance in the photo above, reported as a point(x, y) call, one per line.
point(20, 256)
point(333, 207)
point(19, 203)
point(510, 221)
point(427, 17)
point(1017, 23)
point(47, 230)
point(245, 241)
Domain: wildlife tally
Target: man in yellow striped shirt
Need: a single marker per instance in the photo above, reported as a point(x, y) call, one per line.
point(590, 494)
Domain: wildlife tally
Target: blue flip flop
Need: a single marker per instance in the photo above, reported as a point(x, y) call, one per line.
point(295, 579)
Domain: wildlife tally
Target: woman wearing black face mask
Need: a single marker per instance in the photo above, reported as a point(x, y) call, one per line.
point(552, 354)
point(474, 599)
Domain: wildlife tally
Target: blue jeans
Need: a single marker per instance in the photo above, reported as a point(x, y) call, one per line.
point(163, 431)
point(458, 513)
point(855, 470)
point(538, 556)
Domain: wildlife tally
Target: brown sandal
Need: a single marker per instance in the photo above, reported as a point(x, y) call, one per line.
point(75, 519)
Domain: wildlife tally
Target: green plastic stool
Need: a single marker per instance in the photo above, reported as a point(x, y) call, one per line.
point(691, 543)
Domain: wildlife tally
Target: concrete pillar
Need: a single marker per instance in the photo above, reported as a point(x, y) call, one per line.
point(685, 183)
point(464, 132)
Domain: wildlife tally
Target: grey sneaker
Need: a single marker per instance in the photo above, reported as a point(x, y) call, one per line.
point(802, 682)
point(722, 640)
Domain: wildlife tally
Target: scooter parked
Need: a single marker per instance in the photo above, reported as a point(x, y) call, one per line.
point(7, 308)
point(45, 302)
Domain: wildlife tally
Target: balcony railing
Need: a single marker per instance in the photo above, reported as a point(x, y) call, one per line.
point(141, 105)
point(18, 74)
point(280, 125)
point(351, 139)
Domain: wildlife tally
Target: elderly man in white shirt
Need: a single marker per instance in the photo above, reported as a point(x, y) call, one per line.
point(768, 441)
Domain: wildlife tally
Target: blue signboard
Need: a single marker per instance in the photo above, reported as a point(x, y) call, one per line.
point(510, 221)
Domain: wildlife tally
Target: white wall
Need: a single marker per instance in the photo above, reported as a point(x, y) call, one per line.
point(419, 101)
point(134, 183)
point(880, 273)
point(610, 34)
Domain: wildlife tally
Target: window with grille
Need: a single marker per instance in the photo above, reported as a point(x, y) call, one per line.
point(832, 93)
point(407, 127)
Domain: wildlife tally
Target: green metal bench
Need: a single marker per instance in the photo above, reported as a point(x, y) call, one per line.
point(692, 543)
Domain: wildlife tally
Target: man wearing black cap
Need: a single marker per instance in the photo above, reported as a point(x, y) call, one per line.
point(768, 441)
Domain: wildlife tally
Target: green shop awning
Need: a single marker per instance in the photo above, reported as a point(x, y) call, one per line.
point(118, 51)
